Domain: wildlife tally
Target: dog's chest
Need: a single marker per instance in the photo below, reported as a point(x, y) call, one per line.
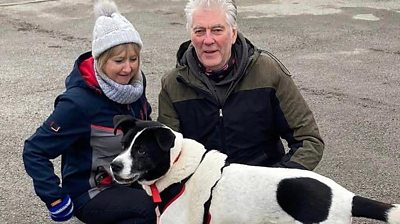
point(189, 206)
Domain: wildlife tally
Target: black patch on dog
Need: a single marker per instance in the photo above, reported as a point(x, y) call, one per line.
point(305, 199)
point(364, 207)
point(130, 126)
point(151, 152)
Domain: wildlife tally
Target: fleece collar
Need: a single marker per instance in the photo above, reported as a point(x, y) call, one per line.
point(86, 68)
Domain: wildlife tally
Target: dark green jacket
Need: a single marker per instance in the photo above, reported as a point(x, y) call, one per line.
point(262, 106)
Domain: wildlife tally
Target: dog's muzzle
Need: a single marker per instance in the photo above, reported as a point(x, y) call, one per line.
point(117, 168)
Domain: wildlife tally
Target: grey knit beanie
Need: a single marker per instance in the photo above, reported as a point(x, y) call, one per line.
point(111, 28)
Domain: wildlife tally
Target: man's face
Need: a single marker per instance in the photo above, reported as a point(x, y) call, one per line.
point(212, 37)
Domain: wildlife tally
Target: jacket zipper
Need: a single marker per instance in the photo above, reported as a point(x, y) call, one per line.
point(214, 100)
point(222, 130)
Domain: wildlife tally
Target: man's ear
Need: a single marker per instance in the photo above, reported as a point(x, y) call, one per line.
point(165, 138)
point(123, 122)
point(234, 35)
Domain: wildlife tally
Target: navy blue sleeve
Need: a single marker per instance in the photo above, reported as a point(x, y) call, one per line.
point(54, 137)
point(143, 106)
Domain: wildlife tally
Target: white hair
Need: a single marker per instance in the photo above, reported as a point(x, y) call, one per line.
point(229, 7)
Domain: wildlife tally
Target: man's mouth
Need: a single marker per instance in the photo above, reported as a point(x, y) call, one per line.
point(210, 51)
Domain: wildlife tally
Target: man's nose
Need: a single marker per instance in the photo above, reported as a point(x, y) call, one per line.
point(209, 38)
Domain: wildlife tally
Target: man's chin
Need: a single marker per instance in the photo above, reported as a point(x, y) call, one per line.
point(211, 63)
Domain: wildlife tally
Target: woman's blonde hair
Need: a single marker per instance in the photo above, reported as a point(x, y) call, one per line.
point(103, 58)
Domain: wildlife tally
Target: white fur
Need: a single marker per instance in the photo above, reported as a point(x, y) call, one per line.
point(182, 168)
point(126, 159)
point(256, 203)
point(243, 194)
point(394, 215)
point(186, 208)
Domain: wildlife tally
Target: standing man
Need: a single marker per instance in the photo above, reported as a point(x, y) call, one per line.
point(231, 96)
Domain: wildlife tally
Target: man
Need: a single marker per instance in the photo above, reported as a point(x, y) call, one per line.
point(233, 97)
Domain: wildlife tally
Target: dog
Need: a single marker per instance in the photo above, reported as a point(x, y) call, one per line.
point(212, 191)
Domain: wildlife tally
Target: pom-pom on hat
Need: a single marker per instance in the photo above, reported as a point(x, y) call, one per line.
point(111, 28)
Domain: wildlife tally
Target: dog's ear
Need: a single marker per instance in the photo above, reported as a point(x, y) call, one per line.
point(123, 122)
point(165, 138)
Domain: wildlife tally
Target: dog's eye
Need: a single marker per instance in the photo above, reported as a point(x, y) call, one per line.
point(138, 150)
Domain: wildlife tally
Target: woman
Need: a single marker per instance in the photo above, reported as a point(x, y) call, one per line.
point(103, 83)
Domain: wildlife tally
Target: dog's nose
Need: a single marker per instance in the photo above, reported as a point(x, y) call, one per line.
point(116, 166)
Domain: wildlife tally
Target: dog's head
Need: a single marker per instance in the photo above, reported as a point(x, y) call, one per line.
point(147, 146)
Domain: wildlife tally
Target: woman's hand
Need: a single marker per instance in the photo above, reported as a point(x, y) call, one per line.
point(62, 209)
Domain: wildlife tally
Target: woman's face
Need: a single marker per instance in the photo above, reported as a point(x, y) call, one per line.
point(123, 64)
point(212, 37)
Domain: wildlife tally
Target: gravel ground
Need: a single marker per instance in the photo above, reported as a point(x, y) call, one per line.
point(344, 56)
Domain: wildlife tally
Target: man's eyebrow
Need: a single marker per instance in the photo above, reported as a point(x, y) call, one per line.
point(218, 25)
point(212, 27)
point(198, 27)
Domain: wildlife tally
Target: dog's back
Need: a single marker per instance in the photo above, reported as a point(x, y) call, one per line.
point(259, 194)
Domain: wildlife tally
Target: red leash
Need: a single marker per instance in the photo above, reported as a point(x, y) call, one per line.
point(154, 191)
point(155, 194)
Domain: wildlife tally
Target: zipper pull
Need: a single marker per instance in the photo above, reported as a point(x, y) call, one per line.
point(220, 113)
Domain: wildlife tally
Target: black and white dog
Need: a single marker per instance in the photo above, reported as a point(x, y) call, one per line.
point(219, 193)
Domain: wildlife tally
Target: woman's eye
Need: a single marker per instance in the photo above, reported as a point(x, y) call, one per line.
point(118, 59)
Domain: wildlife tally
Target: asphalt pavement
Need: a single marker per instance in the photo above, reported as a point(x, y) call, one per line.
point(343, 55)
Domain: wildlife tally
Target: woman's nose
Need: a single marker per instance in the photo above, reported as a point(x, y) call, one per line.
point(127, 67)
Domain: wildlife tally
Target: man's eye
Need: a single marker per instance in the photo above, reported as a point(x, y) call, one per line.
point(199, 32)
point(217, 30)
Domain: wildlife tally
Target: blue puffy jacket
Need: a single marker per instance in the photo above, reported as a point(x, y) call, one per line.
point(80, 129)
